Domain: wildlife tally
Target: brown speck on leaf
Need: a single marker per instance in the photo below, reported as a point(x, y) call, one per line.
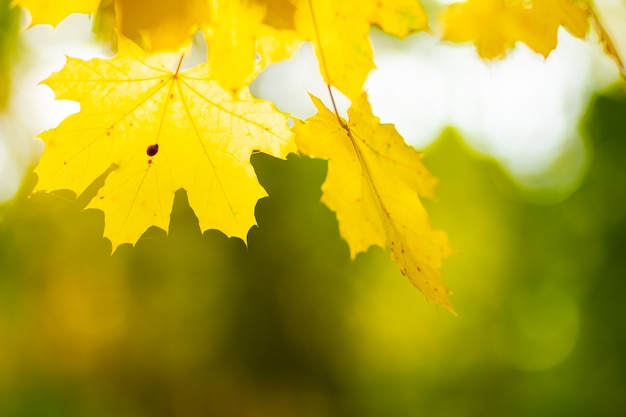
point(152, 149)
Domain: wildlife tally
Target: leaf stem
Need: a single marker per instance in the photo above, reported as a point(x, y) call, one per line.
point(325, 67)
point(180, 62)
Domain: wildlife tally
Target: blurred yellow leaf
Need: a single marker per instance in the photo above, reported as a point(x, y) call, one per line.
point(279, 14)
point(155, 131)
point(52, 12)
point(610, 47)
point(496, 25)
point(374, 185)
point(339, 32)
point(543, 19)
point(399, 17)
point(161, 25)
point(231, 41)
point(241, 29)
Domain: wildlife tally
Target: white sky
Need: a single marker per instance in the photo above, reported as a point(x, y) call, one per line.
point(521, 110)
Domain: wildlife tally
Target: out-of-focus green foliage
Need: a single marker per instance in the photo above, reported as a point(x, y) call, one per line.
point(9, 36)
point(191, 324)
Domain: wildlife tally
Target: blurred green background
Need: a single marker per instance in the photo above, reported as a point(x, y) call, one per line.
point(191, 324)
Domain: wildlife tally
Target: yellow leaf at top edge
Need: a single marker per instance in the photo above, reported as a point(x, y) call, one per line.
point(374, 184)
point(52, 12)
point(245, 36)
point(573, 15)
point(494, 26)
point(542, 21)
point(339, 32)
point(279, 14)
point(231, 41)
point(155, 131)
point(277, 39)
point(608, 44)
point(491, 24)
point(399, 17)
point(161, 25)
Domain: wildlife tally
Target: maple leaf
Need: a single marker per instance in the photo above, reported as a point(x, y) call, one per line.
point(155, 131)
point(53, 12)
point(374, 184)
point(339, 32)
point(496, 25)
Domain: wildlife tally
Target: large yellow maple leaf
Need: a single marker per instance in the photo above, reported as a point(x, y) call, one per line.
point(155, 131)
point(496, 25)
point(339, 32)
point(374, 184)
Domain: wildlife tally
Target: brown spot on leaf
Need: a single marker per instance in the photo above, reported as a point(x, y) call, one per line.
point(152, 149)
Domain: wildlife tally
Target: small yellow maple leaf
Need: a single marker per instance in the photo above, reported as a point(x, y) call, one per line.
point(496, 25)
point(155, 131)
point(374, 184)
point(52, 12)
point(339, 32)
